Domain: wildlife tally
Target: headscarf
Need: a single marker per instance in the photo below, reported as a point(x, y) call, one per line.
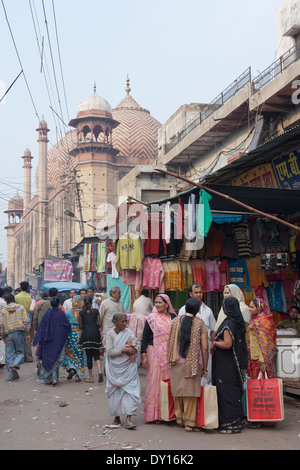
point(51, 336)
point(237, 294)
point(235, 324)
point(168, 301)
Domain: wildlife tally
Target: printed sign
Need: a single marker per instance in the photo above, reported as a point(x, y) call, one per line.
point(286, 169)
point(265, 400)
point(58, 271)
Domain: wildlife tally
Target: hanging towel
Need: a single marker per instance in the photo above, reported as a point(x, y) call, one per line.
point(203, 224)
point(101, 257)
point(192, 217)
point(86, 257)
point(93, 266)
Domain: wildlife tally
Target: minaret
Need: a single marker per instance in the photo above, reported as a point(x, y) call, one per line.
point(41, 182)
point(27, 178)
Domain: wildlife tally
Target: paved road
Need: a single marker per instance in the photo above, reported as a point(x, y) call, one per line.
point(72, 416)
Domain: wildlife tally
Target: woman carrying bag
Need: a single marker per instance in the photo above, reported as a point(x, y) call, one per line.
point(229, 364)
point(188, 356)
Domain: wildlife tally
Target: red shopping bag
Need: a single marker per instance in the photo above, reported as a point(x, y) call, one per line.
point(265, 399)
point(207, 408)
point(166, 401)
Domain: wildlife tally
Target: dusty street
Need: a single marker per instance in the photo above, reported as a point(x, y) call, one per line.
point(73, 416)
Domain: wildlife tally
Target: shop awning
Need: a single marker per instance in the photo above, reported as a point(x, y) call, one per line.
point(270, 200)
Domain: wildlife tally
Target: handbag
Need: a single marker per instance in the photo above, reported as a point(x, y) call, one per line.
point(265, 399)
point(207, 408)
point(167, 411)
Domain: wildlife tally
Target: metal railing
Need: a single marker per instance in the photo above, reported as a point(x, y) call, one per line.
point(275, 69)
point(209, 109)
point(269, 74)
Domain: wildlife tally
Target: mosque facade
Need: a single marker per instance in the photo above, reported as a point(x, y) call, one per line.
point(81, 172)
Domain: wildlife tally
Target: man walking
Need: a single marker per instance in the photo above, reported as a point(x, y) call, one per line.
point(14, 329)
point(24, 299)
point(43, 306)
point(67, 305)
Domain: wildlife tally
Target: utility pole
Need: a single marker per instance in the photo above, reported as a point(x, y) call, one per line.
point(77, 185)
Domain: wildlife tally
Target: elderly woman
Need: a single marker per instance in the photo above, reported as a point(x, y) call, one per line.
point(154, 354)
point(188, 355)
point(123, 384)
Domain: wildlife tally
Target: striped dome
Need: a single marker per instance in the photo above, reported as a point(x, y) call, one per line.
point(137, 135)
point(136, 138)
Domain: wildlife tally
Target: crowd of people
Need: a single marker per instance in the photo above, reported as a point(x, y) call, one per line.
point(189, 349)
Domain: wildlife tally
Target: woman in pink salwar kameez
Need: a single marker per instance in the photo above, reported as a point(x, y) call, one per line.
point(154, 354)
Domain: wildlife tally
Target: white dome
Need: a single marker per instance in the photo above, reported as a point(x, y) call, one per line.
point(94, 102)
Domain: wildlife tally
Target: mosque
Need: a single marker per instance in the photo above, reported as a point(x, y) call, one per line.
point(83, 170)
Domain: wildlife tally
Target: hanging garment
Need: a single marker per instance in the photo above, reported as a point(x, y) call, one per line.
point(167, 225)
point(129, 252)
point(276, 297)
point(214, 244)
point(212, 275)
point(179, 221)
point(86, 257)
point(151, 275)
point(192, 217)
point(257, 276)
point(224, 274)
point(198, 270)
point(239, 273)
point(101, 257)
point(111, 258)
point(242, 236)
point(203, 225)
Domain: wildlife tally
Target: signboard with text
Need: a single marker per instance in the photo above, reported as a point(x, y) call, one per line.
point(58, 271)
point(287, 170)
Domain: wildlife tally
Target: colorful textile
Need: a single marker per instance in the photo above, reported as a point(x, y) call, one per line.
point(123, 384)
point(204, 216)
point(101, 258)
point(261, 341)
point(73, 357)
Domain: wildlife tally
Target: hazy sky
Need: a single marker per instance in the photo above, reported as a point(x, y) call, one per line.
point(175, 52)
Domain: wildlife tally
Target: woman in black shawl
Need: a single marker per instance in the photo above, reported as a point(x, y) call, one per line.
point(229, 363)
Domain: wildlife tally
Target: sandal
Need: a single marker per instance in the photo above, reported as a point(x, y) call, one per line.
point(191, 429)
point(130, 425)
point(71, 374)
point(77, 379)
point(89, 381)
point(101, 379)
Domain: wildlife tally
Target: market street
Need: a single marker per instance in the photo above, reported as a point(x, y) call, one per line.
point(73, 416)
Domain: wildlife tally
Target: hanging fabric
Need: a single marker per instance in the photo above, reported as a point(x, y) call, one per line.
point(204, 214)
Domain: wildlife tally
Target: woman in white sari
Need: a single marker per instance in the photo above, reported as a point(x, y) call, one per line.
point(123, 383)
